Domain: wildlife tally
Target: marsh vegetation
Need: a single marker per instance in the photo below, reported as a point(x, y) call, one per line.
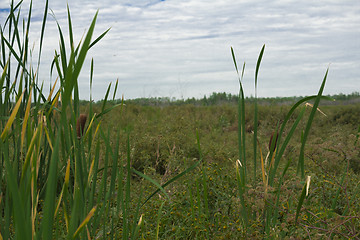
point(224, 167)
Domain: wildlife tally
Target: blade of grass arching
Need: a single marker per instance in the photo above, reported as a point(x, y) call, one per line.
point(294, 107)
point(152, 181)
point(18, 59)
point(84, 222)
point(256, 109)
point(284, 145)
point(99, 38)
point(116, 85)
point(172, 180)
point(258, 64)
point(109, 109)
point(106, 97)
point(88, 130)
point(308, 126)
point(8, 91)
point(158, 220)
point(91, 79)
point(11, 118)
point(49, 203)
point(288, 137)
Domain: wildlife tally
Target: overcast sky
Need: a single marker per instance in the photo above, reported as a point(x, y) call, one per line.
point(181, 48)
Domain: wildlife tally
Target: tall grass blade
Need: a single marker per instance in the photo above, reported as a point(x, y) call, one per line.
point(49, 203)
point(3, 76)
point(280, 153)
point(256, 110)
point(106, 97)
point(158, 220)
point(11, 118)
point(84, 222)
point(116, 86)
point(308, 126)
point(99, 38)
point(26, 117)
point(71, 37)
point(43, 29)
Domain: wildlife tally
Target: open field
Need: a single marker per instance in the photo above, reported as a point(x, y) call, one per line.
point(224, 167)
point(163, 144)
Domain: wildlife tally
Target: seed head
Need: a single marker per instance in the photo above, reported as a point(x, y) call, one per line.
point(272, 149)
point(80, 125)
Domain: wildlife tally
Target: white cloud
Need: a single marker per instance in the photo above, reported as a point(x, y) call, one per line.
point(182, 48)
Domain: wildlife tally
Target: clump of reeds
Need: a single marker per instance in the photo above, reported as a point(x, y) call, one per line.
point(52, 185)
point(276, 146)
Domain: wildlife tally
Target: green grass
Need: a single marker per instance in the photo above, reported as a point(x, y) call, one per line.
point(181, 171)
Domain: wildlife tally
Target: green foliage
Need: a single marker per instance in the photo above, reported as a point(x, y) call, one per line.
point(55, 177)
point(166, 168)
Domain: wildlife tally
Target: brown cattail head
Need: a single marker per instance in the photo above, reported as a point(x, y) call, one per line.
point(80, 125)
point(272, 145)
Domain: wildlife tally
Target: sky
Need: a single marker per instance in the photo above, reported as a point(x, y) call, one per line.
point(181, 48)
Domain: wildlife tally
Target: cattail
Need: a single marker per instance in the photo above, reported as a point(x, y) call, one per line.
point(80, 125)
point(272, 146)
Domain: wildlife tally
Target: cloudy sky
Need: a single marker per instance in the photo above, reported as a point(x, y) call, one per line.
point(181, 48)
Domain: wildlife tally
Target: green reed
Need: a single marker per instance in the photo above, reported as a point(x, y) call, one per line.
point(60, 172)
point(270, 164)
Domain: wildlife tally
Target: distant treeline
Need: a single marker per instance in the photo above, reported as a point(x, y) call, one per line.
point(226, 98)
